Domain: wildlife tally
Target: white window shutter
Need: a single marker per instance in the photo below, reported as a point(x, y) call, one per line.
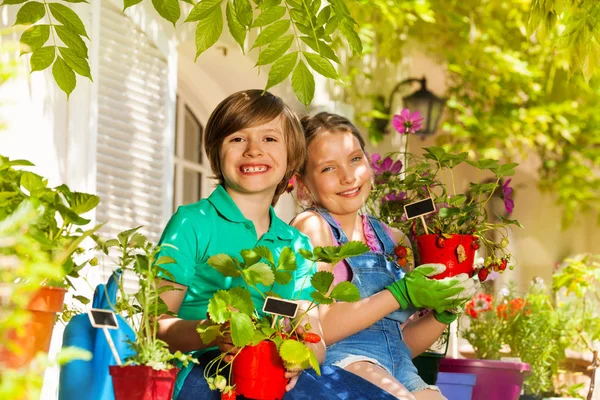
point(131, 143)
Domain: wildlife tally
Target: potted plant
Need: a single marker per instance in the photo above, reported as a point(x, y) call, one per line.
point(58, 237)
point(530, 330)
point(458, 224)
point(269, 345)
point(149, 374)
point(577, 283)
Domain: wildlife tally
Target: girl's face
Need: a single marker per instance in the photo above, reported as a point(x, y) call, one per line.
point(338, 175)
point(254, 160)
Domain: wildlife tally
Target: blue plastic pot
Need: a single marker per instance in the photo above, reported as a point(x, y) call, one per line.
point(456, 386)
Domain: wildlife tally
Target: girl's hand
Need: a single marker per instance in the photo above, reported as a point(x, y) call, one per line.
point(226, 345)
point(293, 377)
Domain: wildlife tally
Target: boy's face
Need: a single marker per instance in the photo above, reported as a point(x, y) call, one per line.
point(254, 160)
point(337, 173)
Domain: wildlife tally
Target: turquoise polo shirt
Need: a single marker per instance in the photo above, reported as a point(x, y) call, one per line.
point(214, 226)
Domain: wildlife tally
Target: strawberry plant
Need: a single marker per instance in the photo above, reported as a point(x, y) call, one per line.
point(232, 312)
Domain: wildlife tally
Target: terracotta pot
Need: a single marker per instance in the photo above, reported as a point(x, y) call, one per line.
point(37, 332)
point(258, 372)
point(139, 382)
point(432, 251)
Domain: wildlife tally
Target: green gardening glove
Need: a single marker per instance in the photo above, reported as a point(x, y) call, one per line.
point(449, 316)
point(445, 317)
point(418, 289)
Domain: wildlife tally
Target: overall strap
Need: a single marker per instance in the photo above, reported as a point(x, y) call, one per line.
point(385, 241)
point(337, 231)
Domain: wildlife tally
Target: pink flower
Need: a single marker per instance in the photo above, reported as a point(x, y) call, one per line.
point(393, 196)
point(291, 184)
point(386, 165)
point(509, 204)
point(405, 122)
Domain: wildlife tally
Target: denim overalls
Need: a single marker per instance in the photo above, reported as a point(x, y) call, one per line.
point(381, 343)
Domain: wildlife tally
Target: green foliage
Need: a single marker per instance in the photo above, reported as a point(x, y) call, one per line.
point(456, 213)
point(142, 309)
point(530, 327)
point(286, 29)
point(232, 312)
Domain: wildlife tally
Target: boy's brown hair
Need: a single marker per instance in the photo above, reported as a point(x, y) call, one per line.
point(247, 109)
point(327, 122)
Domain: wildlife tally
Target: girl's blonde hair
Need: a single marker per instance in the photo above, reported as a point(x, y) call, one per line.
point(246, 109)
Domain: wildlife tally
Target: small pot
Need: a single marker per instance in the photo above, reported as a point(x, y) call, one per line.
point(258, 372)
point(139, 382)
point(445, 251)
point(37, 331)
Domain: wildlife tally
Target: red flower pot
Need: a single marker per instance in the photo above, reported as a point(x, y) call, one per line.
point(37, 332)
point(139, 382)
point(432, 249)
point(258, 372)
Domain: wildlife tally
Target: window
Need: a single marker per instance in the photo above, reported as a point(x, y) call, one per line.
point(192, 170)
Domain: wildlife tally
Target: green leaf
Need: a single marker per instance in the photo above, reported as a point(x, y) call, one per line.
point(68, 18)
point(69, 216)
point(287, 260)
point(322, 48)
point(275, 50)
point(314, 363)
point(332, 25)
point(42, 58)
point(31, 181)
point(294, 352)
point(265, 253)
point(319, 298)
point(259, 273)
point(168, 9)
point(322, 281)
point(269, 16)
point(236, 28)
point(241, 300)
point(204, 9)
point(9, 2)
point(35, 37)
point(347, 29)
point(307, 254)
point(448, 212)
point(345, 291)
point(243, 10)
point(162, 260)
point(242, 329)
point(321, 65)
point(208, 333)
point(82, 299)
point(283, 278)
point(72, 40)
point(129, 3)
point(209, 30)
point(30, 13)
point(352, 249)
point(78, 64)
point(323, 16)
point(83, 202)
point(250, 257)
point(224, 264)
point(303, 84)
point(272, 32)
point(217, 307)
point(281, 69)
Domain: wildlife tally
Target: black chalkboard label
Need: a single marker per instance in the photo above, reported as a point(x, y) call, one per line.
point(418, 208)
point(103, 318)
point(285, 308)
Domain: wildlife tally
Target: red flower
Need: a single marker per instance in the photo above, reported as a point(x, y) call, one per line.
point(479, 304)
point(512, 308)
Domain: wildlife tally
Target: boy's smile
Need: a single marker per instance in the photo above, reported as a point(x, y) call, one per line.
point(254, 160)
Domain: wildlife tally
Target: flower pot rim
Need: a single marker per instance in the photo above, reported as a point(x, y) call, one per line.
point(490, 364)
point(451, 234)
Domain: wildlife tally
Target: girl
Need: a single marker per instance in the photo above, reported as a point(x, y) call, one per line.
point(366, 337)
point(254, 144)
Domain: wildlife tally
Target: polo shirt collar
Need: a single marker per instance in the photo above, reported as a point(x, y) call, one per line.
point(225, 205)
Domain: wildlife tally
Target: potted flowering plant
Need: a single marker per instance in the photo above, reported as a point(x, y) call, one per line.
point(149, 373)
point(529, 330)
point(456, 224)
point(269, 345)
point(58, 237)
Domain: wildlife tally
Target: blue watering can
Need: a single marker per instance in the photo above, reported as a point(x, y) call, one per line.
point(90, 379)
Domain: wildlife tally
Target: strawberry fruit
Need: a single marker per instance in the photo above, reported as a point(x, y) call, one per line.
point(229, 394)
point(311, 337)
point(400, 251)
point(440, 242)
point(483, 274)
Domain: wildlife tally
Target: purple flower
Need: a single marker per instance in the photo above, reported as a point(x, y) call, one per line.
point(393, 196)
point(509, 204)
point(407, 122)
point(386, 165)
